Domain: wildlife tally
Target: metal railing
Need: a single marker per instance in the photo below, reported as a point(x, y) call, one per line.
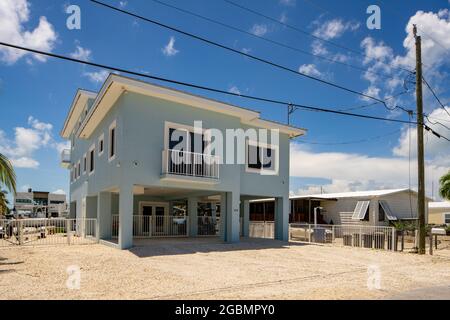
point(262, 229)
point(34, 232)
point(373, 237)
point(155, 226)
point(190, 164)
point(208, 226)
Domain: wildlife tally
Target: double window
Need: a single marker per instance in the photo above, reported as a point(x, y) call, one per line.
point(261, 157)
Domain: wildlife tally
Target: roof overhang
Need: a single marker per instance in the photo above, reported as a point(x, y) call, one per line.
point(115, 85)
point(78, 103)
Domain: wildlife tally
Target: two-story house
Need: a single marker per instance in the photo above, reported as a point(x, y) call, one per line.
point(125, 167)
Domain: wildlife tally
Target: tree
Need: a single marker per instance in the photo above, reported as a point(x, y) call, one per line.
point(3, 203)
point(444, 189)
point(7, 174)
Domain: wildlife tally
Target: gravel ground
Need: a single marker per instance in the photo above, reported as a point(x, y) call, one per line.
point(208, 269)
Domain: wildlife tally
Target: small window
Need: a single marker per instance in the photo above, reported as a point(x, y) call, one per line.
point(84, 163)
point(447, 218)
point(79, 169)
point(112, 141)
point(381, 213)
point(101, 143)
point(91, 159)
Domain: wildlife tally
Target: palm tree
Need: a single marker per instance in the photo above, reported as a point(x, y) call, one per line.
point(7, 174)
point(3, 202)
point(444, 189)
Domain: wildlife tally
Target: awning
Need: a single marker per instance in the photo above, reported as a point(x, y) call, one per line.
point(389, 215)
point(360, 210)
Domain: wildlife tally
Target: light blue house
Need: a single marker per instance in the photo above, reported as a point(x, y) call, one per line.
point(124, 170)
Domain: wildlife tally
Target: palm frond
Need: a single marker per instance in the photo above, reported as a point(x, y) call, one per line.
point(7, 174)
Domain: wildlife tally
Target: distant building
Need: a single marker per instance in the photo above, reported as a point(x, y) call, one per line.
point(439, 213)
point(40, 204)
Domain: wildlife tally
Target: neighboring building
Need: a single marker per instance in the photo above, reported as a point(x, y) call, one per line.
point(40, 204)
point(123, 171)
point(377, 207)
point(439, 213)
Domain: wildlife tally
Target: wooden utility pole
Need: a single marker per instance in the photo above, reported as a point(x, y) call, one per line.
point(420, 148)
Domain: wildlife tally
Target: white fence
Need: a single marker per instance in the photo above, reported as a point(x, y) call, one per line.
point(262, 229)
point(374, 237)
point(35, 232)
point(155, 226)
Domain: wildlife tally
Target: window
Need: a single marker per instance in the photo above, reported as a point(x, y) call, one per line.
point(361, 211)
point(92, 159)
point(261, 157)
point(447, 218)
point(112, 141)
point(84, 163)
point(381, 213)
point(101, 147)
point(79, 169)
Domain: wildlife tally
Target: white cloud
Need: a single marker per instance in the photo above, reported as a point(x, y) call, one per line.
point(81, 53)
point(235, 90)
point(283, 18)
point(26, 142)
point(123, 4)
point(246, 50)
point(309, 69)
point(59, 191)
point(14, 14)
point(97, 76)
point(259, 29)
point(354, 172)
point(334, 28)
point(169, 50)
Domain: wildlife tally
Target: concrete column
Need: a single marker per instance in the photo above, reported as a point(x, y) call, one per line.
point(246, 218)
point(126, 217)
point(282, 218)
point(223, 208)
point(193, 219)
point(232, 217)
point(104, 215)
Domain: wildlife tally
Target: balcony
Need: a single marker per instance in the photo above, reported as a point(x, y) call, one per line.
point(65, 158)
point(190, 166)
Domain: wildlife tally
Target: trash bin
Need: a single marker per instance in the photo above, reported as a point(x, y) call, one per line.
point(379, 240)
point(356, 240)
point(367, 240)
point(347, 239)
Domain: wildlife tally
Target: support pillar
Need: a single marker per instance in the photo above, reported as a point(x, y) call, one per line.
point(193, 218)
point(246, 219)
point(231, 230)
point(104, 216)
point(282, 218)
point(126, 217)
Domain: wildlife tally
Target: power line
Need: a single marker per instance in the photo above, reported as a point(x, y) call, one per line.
point(276, 65)
point(435, 96)
point(277, 43)
point(309, 34)
point(210, 89)
point(350, 142)
point(375, 103)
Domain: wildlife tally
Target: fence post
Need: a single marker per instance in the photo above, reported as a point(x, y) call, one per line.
point(333, 235)
point(20, 231)
point(431, 243)
point(394, 240)
point(309, 232)
point(68, 231)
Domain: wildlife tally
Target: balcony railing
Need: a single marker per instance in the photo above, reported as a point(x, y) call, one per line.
point(65, 158)
point(184, 163)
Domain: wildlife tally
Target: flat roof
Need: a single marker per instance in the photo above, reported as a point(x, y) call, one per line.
point(353, 194)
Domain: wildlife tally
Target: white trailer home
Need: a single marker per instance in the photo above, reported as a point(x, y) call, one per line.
point(372, 208)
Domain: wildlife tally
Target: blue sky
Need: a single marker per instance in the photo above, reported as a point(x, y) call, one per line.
point(35, 93)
